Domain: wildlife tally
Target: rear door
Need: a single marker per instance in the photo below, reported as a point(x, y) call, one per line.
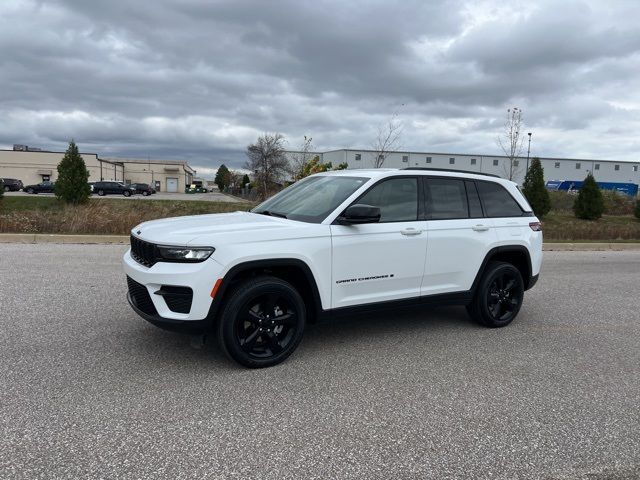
point(459, 236)
point(381, 261)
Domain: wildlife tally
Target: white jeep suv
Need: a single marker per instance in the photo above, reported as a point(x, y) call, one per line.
point(336, 243)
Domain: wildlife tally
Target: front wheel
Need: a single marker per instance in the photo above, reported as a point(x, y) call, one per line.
point(262, 322)
point(101, 193)
point(126, 193)
point(145, 193)
point(30, 190)
point(7, 189)
point(499, 295)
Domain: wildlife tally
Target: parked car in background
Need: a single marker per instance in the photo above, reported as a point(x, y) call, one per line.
point(195, 189)
point(142, 188)
point(114, 188)
point(42, 187)
point(11, 184)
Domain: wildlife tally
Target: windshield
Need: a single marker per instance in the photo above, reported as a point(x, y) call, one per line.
point(312, 199)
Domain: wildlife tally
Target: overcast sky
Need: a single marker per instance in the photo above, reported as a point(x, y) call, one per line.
point(199, 80)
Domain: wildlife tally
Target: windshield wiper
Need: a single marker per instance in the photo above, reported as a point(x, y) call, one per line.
point(272, 214)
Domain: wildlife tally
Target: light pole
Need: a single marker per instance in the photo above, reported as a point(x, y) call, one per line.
point(528, 150)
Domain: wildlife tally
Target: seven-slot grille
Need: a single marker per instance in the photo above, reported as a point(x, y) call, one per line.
point(140, 297)
point(143, 252)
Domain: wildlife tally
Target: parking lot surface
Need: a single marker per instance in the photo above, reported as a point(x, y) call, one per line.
point(90, 390)
point(214, 196)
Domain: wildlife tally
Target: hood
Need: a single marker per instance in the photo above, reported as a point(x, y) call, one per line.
point(205, 228)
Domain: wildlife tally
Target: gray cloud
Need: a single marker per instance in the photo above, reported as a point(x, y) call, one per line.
point(199, 80)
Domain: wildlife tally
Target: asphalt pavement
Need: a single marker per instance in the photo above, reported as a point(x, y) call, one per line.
point(90, 390)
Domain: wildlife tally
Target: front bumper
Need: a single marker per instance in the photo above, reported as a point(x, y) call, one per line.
point(199, 277)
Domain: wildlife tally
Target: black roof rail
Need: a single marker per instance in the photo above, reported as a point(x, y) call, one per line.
point(451, 170)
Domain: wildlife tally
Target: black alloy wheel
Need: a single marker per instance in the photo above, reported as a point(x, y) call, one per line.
point(499, 295)
point(126, 193)
point(262, 322)
point(30, 190)
point(101, 193)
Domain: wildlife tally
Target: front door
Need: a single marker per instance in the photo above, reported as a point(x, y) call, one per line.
point(381, 261)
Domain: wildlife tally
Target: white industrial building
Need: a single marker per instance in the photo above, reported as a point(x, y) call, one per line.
point(554, 168)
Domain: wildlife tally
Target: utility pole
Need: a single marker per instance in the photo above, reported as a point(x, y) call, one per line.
point(528, 152)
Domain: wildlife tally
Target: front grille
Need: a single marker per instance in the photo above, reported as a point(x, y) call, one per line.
point(178, 298)
point(143, 252)
point(140, 297)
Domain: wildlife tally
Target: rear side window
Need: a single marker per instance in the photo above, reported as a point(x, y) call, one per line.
point(397, 199)
point(497, 201)
point(446, 199)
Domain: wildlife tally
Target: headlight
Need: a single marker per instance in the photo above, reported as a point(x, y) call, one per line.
point(185, 254)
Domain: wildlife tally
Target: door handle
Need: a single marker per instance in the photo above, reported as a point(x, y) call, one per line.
point(480, 228)
point(410, 231)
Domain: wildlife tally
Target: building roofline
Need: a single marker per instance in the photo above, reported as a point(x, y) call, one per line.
point(410, 152)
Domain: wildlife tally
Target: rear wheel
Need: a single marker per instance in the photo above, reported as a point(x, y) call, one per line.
point(262, 322)
point(499, 295)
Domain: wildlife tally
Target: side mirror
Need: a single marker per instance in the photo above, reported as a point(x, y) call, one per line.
point(359, 213)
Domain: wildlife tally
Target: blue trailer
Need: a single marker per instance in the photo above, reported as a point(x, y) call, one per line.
point(630, 189)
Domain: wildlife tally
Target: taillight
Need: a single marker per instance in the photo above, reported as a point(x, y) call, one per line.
point(535, 226)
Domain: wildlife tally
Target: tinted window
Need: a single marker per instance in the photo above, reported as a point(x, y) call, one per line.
point(446, 199)
point(497, 201)
point(475, 210)
point(397, 199)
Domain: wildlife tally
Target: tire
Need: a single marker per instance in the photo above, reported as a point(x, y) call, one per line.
point(7, 188)
point(101, 193)
point(253, 307)
point(145, 193)
point(126, 193)
point(499, 295)
point(30, 190)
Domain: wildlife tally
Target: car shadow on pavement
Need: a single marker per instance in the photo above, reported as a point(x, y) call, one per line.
point(326, 337)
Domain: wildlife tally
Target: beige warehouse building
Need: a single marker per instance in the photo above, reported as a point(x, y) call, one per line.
point(35, 166)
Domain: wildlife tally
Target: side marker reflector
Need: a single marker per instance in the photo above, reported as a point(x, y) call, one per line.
point(216, 287)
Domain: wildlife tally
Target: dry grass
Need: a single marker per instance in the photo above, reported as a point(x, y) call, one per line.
point(117, 217)
point(107, 217)
point(614, 203)
point(565, 227)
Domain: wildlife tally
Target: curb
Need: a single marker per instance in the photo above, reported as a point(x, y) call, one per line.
point(71, 239)
point(124, 240)
point(589, 247)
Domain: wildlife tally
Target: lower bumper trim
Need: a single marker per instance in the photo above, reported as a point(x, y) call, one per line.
point(195, 327)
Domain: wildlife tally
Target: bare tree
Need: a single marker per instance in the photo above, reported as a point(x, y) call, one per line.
point(268, 160)
point(300, 158)
point(388, 140)
point(511, 142)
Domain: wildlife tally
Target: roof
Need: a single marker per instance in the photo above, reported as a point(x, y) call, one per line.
point(441, 172)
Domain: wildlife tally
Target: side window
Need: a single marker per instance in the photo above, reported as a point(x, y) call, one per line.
point(497, 201)
point(397, 199)
point(475, 209)
point(446, 199)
